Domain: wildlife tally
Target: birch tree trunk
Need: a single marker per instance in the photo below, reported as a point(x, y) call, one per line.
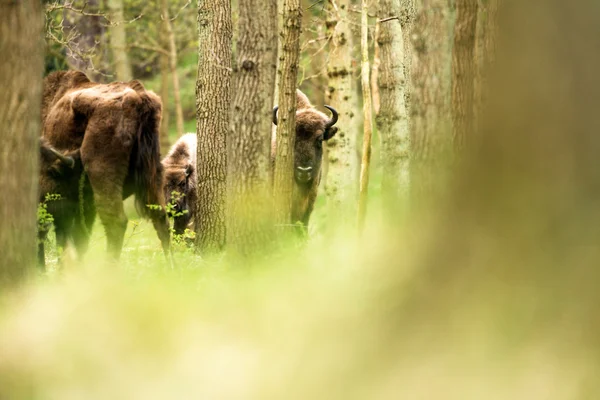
point(392, 121)
point(249, 226)
point(118, 41)
point(283, 177)
point(463, 71)
point(368, 116)
point(430, 98)
point(213, 99)
point(170, 36)
point(341, 189)
point(20, 102)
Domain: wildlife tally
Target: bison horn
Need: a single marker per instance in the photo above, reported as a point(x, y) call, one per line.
point(275, 114)
point(334, 117)
point(66, 159)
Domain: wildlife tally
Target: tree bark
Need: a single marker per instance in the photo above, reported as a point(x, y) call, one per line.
point(368, 117)
point(342, 173)
point(485, 51)
point(213, 99)
point(283, 177)
point(463, 71)
point(172, 48)
point(118, 41)
point(407, 17)
point(431, 122)
point(392, 121)
point(249, 228)
point(20, 102)
point(165, 142)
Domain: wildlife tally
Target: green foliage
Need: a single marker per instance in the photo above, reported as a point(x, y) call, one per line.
point(180, 241)
point(44, 218)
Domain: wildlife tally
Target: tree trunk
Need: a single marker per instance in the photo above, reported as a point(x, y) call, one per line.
point(286, 127)
point(343, 168)
point(85, 31)
point(249, 228)
point(392, 121)
point(463, 71)
point(375, 97)
point(213, 100)
point(368, 117)
point(173, 65)
point(20, 102)
point(165, 142)
point(118, 41)
point(485, 51)
point(431, 123)
point(407, 17)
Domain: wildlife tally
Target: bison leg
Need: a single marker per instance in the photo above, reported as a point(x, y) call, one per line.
point(82, 228)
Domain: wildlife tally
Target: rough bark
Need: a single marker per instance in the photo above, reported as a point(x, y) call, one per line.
point(485, 51)
point(407, 17)
point(463, 71)
point(172, 51)
point(283, 177)
point(20, 102)
point(165, 142)
point(341, 189)
point(368, 117)
point(431, 124)
point(375, 97)
point(392, 120)
point(249, 228)
point(118, 41)
point(213, 100)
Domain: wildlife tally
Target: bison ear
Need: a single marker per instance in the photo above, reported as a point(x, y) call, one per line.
point(188, 170)
point(330, 132)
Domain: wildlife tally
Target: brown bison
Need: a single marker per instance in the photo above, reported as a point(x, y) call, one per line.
point(99, 146)
point(180, 177)
point(312, 129)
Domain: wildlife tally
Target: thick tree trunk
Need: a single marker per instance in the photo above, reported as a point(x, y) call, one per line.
point(20, 102)
point(165, 142)
point(407, 17)
point(430, 100)
point(118, 41)
point(249, 228)
point(463, 71)
point(283, 178)
point(485, 51)
point(392, 121)
point(86, 31)
point(213, 100)
point(343, 168)
point(368, 116)
point(173, 65)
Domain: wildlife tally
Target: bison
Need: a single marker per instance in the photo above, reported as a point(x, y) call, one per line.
point(180, 176)
point(312, 129)
point(100, 146)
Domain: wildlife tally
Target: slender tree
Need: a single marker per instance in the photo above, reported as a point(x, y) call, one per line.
point(172, 57)
point(213, 99)
point(368, 117)
point(430, 109)
point(286, 126)
point(164, 89)
point(20, 102)
point(342, 170)
point(392, 120)
point(118, 41)
point(463, 71)
point(249, 143)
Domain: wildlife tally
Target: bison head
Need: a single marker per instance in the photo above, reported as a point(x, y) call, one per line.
point(178, 179)
point(312, 129)
point(59, 171)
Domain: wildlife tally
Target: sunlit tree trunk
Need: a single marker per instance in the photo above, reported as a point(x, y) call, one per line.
point(343, 167)
point(172, 51)
point(407, 17)
point(367, 114)
point(164, 91)
point(20, 102)
point(249, 226)
point(430, 102)
point(213, 100)
point(118, 41)
point(463, 71)
point(286, 126)
point(392, 121)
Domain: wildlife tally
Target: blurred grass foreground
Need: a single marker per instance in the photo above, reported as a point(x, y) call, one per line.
point(490, 293)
